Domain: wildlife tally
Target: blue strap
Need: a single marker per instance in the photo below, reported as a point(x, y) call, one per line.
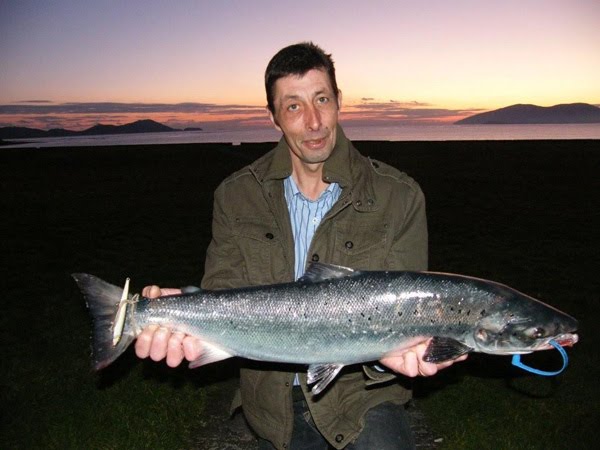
point(516, 361)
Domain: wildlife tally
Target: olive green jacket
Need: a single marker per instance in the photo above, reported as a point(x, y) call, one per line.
point(378, 223)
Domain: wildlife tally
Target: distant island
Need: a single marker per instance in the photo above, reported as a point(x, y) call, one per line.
point(533, 114)
point(139, 126)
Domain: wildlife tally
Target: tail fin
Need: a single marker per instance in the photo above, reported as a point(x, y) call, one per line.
point(102, 300)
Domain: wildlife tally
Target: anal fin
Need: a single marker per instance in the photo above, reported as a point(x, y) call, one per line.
point(210, 354)
point(321, 375)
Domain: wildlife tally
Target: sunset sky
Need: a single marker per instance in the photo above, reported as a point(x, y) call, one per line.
point(73, 64)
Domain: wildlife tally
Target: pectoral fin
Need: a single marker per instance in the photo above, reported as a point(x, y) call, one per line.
point(210, 354)
point(442, 349)
point(322, 375)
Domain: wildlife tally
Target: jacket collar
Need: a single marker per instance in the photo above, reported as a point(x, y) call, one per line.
point(344, 166)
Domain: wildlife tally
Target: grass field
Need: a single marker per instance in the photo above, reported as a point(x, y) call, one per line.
point(523, 213)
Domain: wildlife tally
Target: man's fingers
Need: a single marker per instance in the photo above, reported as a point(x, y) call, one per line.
point(144, 341)
point(175, 349)
point(411, 364)
point(151, 291)
point(192, 348)
point(170, 291)
point(158, 349)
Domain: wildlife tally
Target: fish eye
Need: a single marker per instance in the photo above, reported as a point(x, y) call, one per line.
point(537, 333)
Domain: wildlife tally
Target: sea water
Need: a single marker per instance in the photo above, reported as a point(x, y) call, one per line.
point(354, 132)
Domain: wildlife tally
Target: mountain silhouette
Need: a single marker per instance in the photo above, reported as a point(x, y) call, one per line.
point(140, 126)
point(533, 114)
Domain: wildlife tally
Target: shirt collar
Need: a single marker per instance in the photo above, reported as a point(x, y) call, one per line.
point(290, 184)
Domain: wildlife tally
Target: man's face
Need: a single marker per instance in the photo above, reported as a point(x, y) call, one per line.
point(306, 112)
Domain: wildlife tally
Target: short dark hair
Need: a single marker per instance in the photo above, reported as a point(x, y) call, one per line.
point(297, 59)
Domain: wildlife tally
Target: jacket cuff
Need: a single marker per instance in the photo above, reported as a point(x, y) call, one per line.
point(375, 375)
point(190, 289)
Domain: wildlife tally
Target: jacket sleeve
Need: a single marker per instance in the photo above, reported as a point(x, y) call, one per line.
point(224, 265)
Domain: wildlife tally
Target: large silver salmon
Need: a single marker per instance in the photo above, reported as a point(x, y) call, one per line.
point(332, 317)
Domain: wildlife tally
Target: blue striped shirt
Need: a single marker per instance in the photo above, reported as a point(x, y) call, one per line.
point(305, 217)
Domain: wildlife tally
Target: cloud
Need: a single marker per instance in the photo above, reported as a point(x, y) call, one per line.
point(396, 111)
point(78, 116)
point(126, 108)
point(35, 101)
point(414, 103)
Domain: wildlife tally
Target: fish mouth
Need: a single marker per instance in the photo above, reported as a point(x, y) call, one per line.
point(564, 340)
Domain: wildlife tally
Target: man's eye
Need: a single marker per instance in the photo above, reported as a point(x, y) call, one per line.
point(323, 99)
point(293, 107)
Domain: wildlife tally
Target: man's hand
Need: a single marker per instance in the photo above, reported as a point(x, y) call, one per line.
point(159, 343)
point(410, 362)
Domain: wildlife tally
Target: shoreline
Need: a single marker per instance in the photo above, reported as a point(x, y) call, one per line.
point(356, 133)
point(11, 145)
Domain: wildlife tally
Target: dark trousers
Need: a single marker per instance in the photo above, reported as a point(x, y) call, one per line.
point(386, 428)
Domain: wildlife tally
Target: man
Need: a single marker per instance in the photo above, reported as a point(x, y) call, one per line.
point(312, 198)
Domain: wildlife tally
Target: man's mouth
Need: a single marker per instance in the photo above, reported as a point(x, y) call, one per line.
point(315, 144)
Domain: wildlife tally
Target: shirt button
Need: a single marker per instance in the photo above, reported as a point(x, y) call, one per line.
point(339, 438)
point(349, 244)
point(269, 236)
point(358, 203)
point(315, 258)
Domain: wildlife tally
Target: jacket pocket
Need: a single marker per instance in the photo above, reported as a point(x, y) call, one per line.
point(260, 247)
point(361, 245)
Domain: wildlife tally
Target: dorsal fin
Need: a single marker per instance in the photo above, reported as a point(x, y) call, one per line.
point(320, 272)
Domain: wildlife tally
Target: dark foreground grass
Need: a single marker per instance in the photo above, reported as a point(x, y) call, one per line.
point(523, 213)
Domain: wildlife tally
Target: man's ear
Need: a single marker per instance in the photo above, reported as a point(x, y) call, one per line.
point(339, 99)
point(273, 119)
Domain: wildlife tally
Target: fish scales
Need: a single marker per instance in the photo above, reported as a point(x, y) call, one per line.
point(301, 322)
point(335, 316)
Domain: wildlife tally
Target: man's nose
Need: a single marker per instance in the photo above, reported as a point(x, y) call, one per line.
point(313, 118)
